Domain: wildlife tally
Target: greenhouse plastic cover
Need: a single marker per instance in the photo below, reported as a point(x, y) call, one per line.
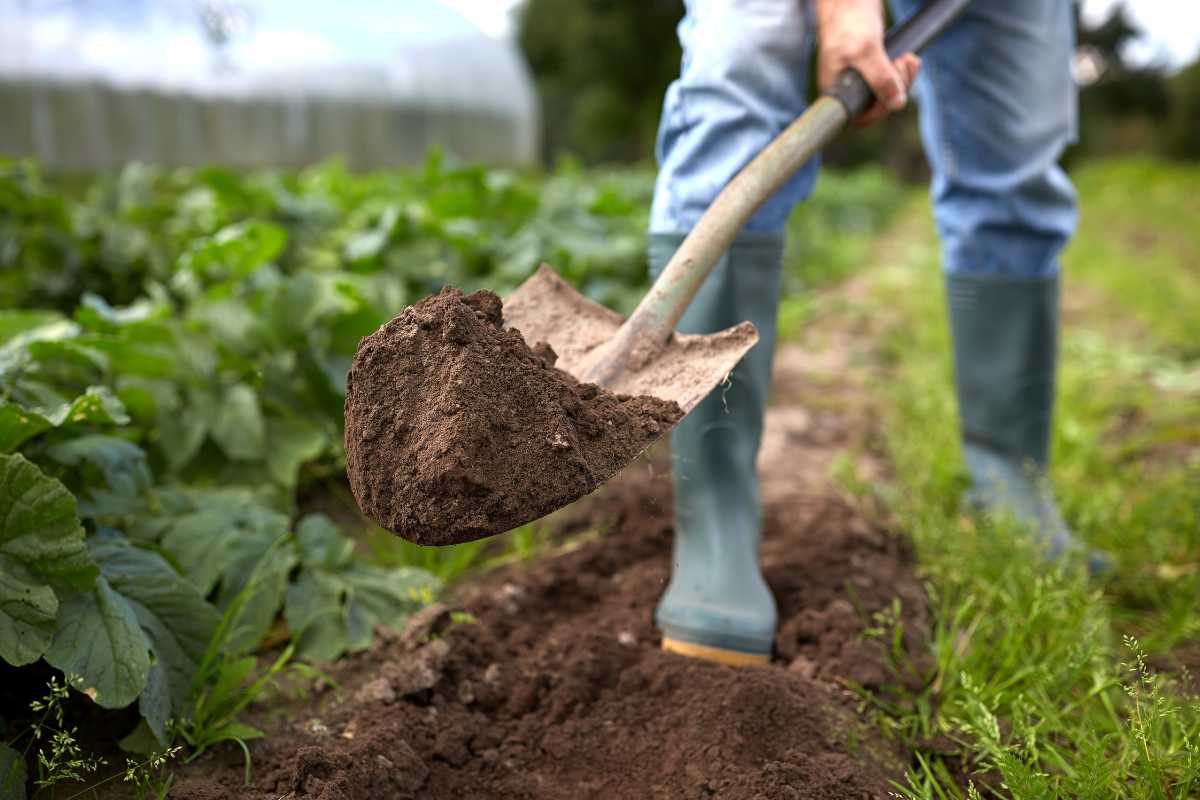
point(375, 81)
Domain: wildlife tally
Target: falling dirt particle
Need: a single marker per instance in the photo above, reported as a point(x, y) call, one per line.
point(803, 666)
point(376, 691)
point(510, 597)
point(418, 672)
point(448, 416)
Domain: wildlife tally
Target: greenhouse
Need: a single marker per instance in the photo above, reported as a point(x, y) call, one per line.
point(93, 84)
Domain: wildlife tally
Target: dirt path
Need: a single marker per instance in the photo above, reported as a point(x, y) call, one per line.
point(554, 687)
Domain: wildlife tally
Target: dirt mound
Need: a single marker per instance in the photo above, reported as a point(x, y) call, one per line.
point(456, 430)
point(554, 686)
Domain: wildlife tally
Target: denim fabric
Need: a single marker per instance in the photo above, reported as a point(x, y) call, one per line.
point(744, 78)
point(997, 108)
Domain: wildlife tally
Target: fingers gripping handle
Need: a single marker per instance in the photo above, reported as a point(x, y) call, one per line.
point(910, 36)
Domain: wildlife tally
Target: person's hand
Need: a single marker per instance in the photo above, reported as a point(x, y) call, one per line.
point(850, 34)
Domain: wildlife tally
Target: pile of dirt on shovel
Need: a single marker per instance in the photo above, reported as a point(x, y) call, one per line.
point(456, 429)
point(552, 685)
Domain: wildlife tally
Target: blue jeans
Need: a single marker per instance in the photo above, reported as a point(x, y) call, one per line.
point(997, 107)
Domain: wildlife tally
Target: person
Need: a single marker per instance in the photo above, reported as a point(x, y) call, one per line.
point(997, 107)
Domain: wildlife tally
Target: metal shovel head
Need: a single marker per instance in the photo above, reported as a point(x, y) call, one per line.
point(545, 308)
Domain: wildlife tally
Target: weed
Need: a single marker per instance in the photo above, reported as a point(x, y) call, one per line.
point(225, 682)
point(61, 758)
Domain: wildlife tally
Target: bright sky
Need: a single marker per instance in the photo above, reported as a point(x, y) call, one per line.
point(1172, 26)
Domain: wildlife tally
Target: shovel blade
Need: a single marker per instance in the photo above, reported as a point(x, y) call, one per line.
point(545, 308)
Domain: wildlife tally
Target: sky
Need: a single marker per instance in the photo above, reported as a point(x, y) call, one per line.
point(1172, 26)
point(156, 42)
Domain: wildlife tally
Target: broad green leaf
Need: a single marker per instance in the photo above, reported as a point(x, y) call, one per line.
point(237, 250)
point(148, 400)
point(41, 549)
point(231, 322)
point(290, 444)
point(206, 543)
point(121, 463)
point(96, 406)
point(27, 614)
point(68, 363)
point(18, 425)
point(12, 774)
point(314, 614)
point(151, 353)
point(114, 474)
point(13, 323)
point(19, 329)
point(234, 545)
point(262, 573)
point(182, 433)
point(321, 544)
point(101, 645)
point(239, 427)
point(154, 703)
point(181, 438)
point(142, 739)
point(336, 601)
point(94, 312)
point(177, 621)
point(380, 596)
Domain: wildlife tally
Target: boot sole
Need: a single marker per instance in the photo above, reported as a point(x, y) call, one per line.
point(734, 658)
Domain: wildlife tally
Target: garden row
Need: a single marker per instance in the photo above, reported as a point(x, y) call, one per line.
point(173, 351)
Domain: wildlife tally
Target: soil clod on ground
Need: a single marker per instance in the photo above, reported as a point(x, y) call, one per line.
point(457, 429)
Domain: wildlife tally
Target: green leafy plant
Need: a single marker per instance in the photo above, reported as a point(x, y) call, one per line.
point(173, 353)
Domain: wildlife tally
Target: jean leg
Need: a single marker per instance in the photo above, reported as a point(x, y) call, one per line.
point(997, 109)
point(743, 80)
point(998, 106)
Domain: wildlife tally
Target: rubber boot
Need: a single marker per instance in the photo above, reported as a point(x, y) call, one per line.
point(1005, 334)
point(717, 605)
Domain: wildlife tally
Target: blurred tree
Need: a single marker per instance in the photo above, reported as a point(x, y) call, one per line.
point(1182, 133)
point(601, 68)
point(1122, 105)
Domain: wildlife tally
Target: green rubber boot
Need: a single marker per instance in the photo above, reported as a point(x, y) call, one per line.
point(1005, 334)
point(717, 605)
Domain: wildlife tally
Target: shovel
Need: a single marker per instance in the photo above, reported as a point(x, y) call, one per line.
point(643, 355)
point(639, 356)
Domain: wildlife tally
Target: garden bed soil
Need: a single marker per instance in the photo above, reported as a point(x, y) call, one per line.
point(552, 683)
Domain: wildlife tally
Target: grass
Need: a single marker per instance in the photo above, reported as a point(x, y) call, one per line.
point(1138, 240)
point(457, 562)
point(1042, 680)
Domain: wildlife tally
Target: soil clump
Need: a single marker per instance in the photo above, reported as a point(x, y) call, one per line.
point(456, 429)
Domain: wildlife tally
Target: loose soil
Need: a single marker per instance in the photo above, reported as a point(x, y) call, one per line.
point(457, 430)
point(555, 687)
